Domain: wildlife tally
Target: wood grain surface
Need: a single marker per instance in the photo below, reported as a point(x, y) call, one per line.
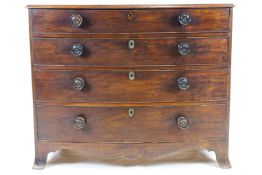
point(115, 86)
point(147, 51)
point(116, 21)
point(109, 93)
point(149, 124)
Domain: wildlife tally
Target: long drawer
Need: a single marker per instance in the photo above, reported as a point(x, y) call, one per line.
point(131, 86)
point(130, 21)
point(147, 124)
point(132, 52)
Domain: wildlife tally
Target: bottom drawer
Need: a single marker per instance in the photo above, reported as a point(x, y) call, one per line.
point(135, 124)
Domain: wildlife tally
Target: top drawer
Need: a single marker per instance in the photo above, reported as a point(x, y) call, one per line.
point(130, 21)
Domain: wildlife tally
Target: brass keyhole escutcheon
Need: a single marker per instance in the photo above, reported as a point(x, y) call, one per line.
point(131, 44)
point(130, 16)
point(131, 112)
point(132, 75)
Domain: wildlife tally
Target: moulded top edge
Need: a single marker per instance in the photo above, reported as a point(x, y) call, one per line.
point(145, 6)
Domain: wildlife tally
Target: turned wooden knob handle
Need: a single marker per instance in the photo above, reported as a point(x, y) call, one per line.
point(182, 122)
point(183, 48)
point(183, 83)
point(79, 83)
point(77, 50)
point(76, 20)
point(184, 19)
point(79, 122)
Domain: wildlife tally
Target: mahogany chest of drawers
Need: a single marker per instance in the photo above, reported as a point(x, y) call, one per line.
point(131, 81)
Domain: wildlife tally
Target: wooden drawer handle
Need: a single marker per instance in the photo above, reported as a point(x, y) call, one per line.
point(79, 122)
point(79, 83)
point(77, 50)
point(184, 19)
point(182, 122)
point(76, 20)
point(183, 83)
point(183, 48)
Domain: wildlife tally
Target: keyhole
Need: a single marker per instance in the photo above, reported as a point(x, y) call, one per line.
point(130, 16)
point(132, 75)
point(131, 112)
point(131, 44)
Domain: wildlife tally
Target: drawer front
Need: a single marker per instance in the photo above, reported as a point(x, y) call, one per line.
point(129, 86)
point(130, 21)
point(148, 124)
point(123, 52)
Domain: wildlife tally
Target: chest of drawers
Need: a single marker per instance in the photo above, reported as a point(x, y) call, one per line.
point(131, 81)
